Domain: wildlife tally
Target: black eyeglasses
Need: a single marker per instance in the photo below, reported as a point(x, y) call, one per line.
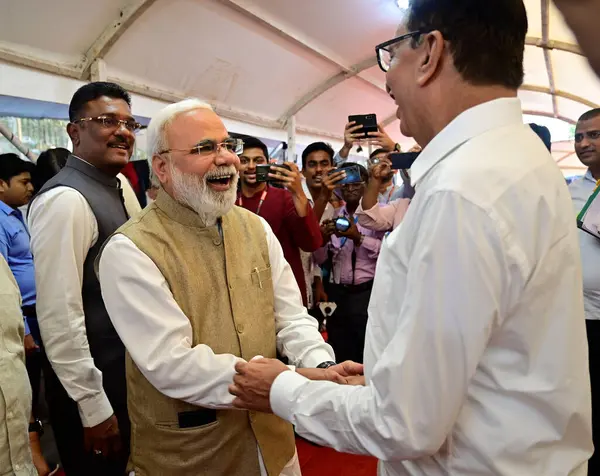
point(385, 53)
point(110, 122)
point(209, 147)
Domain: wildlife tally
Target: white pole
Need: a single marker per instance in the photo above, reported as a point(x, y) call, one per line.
point(291, 140)
point(14, 140)
point(98, 70)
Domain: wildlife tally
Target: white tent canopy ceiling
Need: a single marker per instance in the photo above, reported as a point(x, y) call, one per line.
point(259, 62)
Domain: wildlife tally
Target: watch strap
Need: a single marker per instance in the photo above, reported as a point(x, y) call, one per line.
point(326, 364)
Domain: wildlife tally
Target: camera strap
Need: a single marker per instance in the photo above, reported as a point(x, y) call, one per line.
point(353, 258)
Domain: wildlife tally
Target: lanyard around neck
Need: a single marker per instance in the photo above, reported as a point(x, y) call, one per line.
point(260, 203)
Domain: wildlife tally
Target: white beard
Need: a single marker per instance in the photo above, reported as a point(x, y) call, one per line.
point(194, 192)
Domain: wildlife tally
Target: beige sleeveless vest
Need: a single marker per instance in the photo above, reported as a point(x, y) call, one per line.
point(223, 285)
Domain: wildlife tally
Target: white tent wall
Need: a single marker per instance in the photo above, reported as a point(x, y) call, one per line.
point(28, 83)
point(257, 61)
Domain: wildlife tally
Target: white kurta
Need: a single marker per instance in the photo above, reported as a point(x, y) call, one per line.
point(476, 352)
point(158, 335)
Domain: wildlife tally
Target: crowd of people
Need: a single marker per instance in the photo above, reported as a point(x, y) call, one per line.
point(434, 317)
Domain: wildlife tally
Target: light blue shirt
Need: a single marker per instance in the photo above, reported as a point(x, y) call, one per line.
point(14, 246)
point(581, 188)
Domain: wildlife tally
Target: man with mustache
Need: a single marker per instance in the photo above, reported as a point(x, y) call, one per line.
point(474, 363)
point(206, 286)
point(353, 253)
point(70, 218)
point(287, 210)
point(587, 147)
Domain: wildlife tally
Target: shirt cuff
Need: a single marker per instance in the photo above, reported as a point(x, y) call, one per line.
point(316, 357)
point(27, 330)
point(95, 410)
point(283, 394)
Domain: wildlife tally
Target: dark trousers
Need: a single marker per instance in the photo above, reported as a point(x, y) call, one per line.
point(34, 361)
point(593, 335)
point(68, 429)
point(347, 326)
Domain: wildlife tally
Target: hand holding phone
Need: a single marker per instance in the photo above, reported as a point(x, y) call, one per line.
point(264, 172)
point(368, 123)
point(403, 160)
point(352, 175)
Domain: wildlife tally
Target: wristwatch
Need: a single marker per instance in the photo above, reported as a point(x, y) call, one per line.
point(397, 148)
point(326, 365)
point(36, 427)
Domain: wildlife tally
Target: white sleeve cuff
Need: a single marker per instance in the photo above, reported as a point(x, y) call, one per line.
point(94, 410)
point(316, 357)
point(283, 394)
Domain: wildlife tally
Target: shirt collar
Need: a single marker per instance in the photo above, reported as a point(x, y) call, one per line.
point(471, 123)
point(588, 176)
point(8, 210)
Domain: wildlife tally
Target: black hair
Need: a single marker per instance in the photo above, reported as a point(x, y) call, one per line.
point(49, 164)
point(364, 175)
point(377, 152)
point(92, 91)
point(254, 143)
point(486, 38)
point(543, 133)
point(317, 147)
point(592, 114)
point(12, 165)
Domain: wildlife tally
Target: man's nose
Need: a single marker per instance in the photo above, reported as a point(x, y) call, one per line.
point(225, 157)
point(585, 142)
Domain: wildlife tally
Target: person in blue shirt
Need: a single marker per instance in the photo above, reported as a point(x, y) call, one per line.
point(16, 189)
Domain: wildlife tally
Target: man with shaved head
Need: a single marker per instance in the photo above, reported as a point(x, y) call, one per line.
point(475, 355)
point(206, 286)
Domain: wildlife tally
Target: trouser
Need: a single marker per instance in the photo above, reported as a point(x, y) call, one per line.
point(34, 361)
point(593, 336)
point(68, 429)
point(347, 326)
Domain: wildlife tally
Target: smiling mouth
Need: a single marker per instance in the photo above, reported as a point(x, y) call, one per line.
point(220, 179)
point(119, 146)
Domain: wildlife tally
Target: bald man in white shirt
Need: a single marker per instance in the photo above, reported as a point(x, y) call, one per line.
point(476, 353)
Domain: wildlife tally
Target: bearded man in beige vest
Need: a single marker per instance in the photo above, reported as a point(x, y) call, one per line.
point(193, 285)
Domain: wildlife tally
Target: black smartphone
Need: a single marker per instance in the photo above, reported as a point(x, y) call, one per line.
point(352, 175)
point(263, 171)
point(367, 121)
point(403, 160)
point(342, 224)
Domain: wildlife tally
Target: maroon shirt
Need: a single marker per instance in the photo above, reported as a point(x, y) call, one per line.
point(293, 232)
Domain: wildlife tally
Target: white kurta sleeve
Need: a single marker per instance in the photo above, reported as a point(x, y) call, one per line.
point(298, 336)
point(413, 396)
point(156, 332)
point(63, 228)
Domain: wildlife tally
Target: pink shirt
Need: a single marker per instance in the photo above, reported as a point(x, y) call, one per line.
point(383, 217)
point(366, 255)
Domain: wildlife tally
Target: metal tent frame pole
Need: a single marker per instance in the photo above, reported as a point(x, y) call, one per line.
point(14, 140)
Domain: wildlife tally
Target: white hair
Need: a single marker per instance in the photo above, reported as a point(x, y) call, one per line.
point(156, 132)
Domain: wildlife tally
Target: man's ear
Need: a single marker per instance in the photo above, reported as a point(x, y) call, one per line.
point(159, 168)
point(74, 133)
point(432, 56)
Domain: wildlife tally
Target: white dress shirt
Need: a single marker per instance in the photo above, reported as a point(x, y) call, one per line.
point(158, 335)
point(476, 353)
point(63, 229)
point(581, 189)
